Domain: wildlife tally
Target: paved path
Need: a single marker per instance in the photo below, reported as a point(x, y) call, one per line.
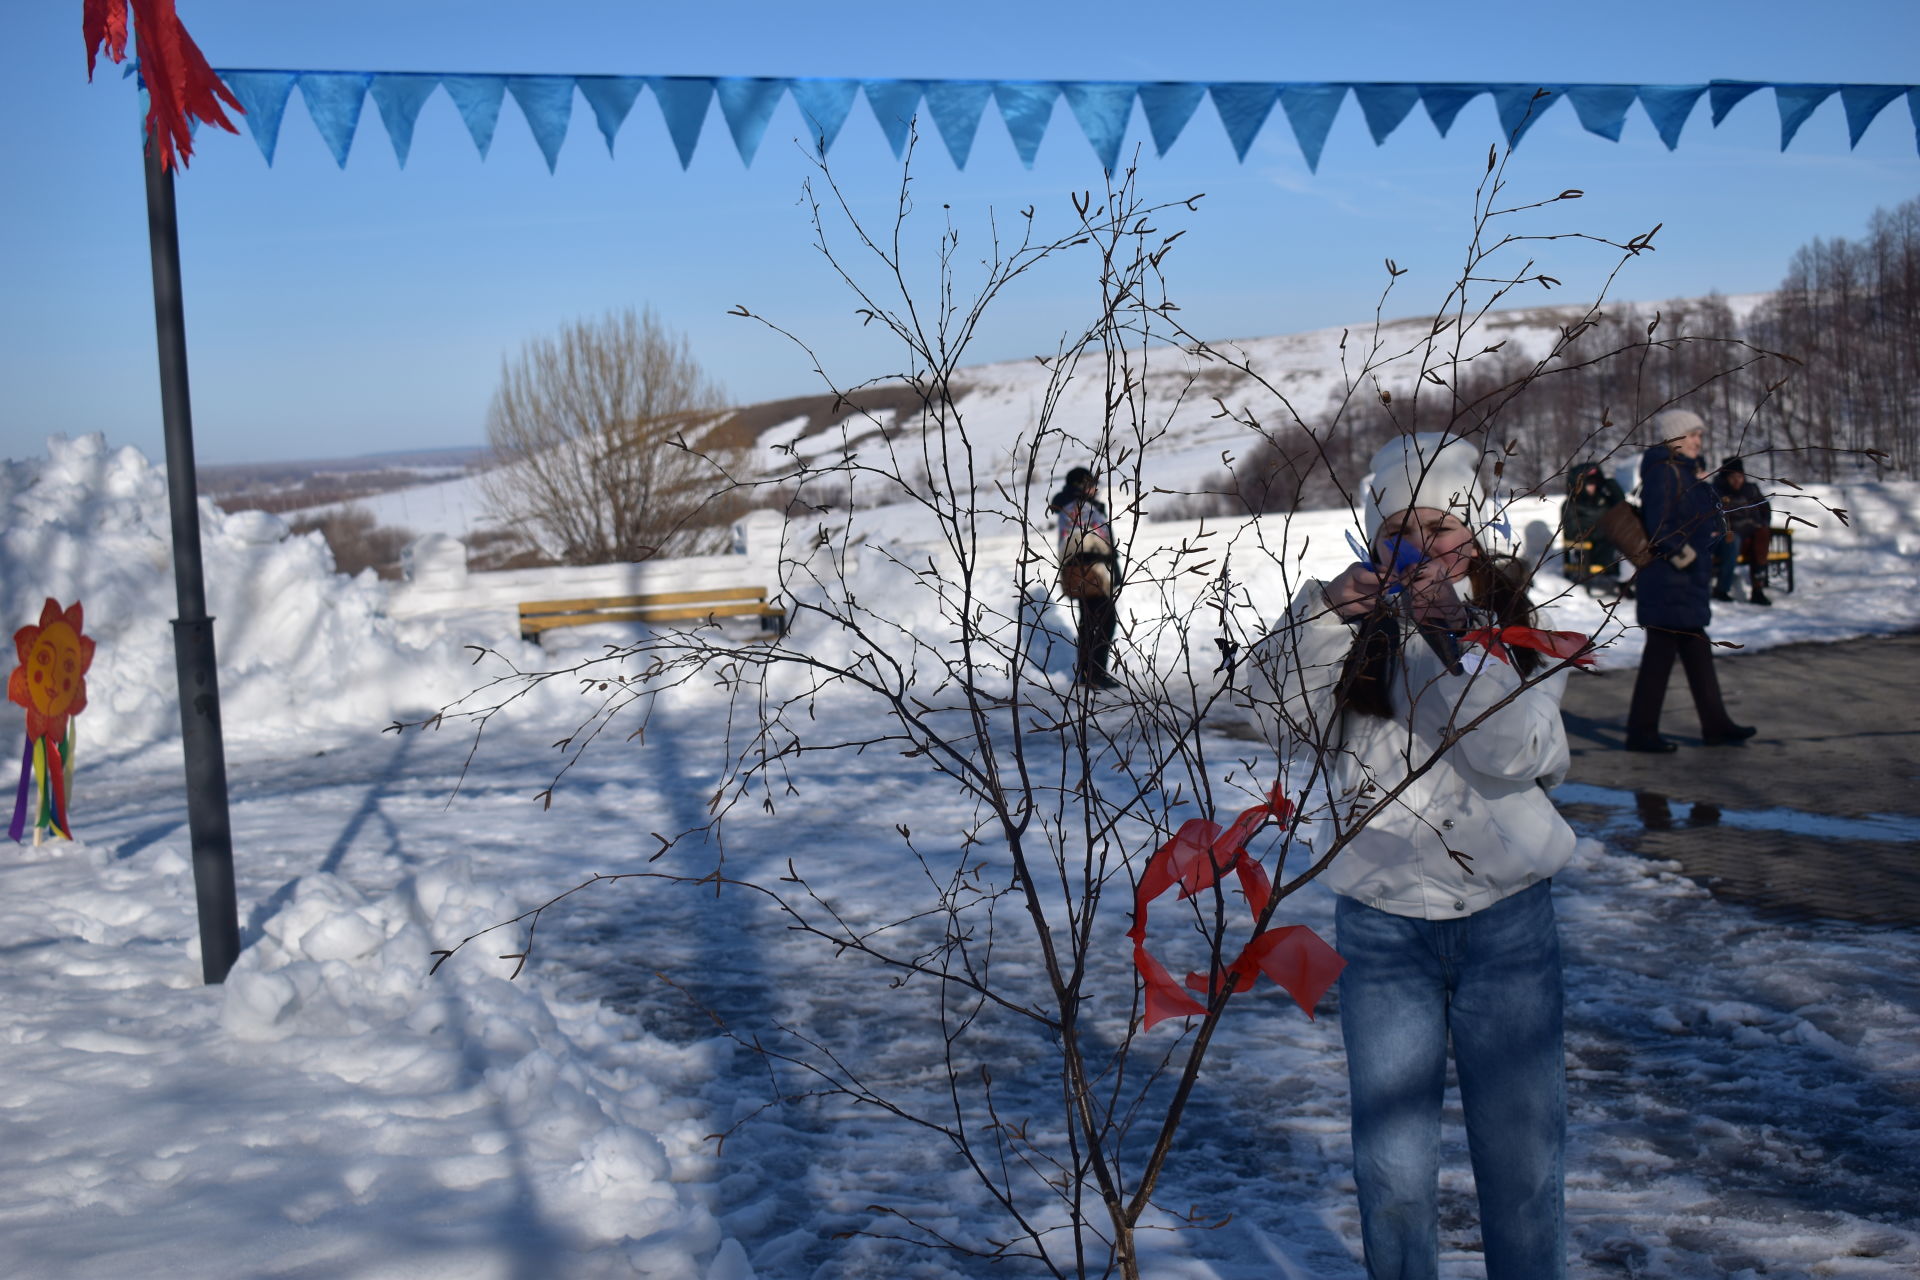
point(1818, 817)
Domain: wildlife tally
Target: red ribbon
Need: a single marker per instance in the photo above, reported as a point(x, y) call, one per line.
point(1195, 859)
point(179, 82)
point(1555, 644)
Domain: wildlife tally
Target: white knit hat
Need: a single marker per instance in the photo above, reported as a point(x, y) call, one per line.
point(1431, 469)
point(1671, 424)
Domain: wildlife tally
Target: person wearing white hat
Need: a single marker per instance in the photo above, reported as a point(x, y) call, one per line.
point(1673, 596)
point(1445, 912)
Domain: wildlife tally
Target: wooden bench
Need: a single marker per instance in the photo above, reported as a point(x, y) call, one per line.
point(667, 606)
point(1579, 564)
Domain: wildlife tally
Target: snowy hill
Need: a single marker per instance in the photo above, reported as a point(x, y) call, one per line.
point(999, 404)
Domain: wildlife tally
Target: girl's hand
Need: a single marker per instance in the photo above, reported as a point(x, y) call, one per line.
point(1435, 599)
point(1355, 593)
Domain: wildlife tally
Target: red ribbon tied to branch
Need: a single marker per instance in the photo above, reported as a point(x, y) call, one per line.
point(1555, 644)
point(179, 82)
point(1195, 858)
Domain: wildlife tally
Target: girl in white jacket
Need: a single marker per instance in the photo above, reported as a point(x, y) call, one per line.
point(1432, 754)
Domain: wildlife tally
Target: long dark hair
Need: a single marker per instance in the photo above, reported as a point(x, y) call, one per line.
point(1497, 586)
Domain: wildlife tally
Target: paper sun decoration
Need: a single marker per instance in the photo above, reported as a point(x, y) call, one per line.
point(51, 683)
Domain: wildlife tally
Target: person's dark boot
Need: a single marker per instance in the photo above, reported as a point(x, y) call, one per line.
point(1723, 596)
point(1759, 595)
point(1733, 735)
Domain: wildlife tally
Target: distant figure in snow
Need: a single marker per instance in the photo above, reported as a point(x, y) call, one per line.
point(1673, 601)
point(1590, 491)
point(1089, 573)
point(1749, 519)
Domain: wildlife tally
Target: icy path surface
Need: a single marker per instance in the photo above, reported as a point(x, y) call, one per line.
point(1743, 1092)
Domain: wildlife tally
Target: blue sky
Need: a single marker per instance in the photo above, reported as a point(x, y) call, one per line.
point(333, 312)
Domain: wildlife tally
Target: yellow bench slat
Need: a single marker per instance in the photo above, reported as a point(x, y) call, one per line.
point(548, 622)
point(723, 595)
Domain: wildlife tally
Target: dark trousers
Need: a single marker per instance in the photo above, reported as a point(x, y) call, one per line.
point(1096, 635)
point(1750, 546)
point(1650, 687)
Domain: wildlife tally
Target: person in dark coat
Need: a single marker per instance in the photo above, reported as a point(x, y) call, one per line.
point(1674, 601)
point(1590, 491)
point(1089, 573)
point(1749, 519)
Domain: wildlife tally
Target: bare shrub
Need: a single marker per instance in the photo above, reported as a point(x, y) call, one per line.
point(596, 431)
point(358, 541)
point(938, 652)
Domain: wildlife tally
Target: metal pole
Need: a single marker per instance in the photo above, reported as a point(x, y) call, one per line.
point(193, 656)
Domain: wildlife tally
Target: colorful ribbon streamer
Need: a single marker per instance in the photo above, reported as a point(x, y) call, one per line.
point(181, 87)
point(1555, 644)
point(1195, 858)
point(45, 776)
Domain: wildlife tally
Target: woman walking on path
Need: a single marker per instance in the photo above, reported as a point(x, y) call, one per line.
point(1674, 601)
point(1445, 916)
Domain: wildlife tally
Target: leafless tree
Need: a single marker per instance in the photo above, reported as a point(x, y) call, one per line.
point(596, 430)
point(937, 652)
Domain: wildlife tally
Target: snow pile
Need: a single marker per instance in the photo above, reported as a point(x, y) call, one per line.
point(339, 986)
point(301, 648)
point(331, 1110)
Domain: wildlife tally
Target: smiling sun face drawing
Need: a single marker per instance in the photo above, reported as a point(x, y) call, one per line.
point(51, 680)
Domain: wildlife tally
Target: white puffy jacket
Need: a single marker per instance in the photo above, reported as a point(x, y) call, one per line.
point(1484, 798)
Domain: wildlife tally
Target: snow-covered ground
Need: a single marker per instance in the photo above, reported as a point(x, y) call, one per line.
point(1742, 1090)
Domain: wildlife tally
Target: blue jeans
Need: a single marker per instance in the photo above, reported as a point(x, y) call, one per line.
point(1492, 980)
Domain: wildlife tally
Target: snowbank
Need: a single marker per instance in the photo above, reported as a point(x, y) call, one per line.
point(301, 648)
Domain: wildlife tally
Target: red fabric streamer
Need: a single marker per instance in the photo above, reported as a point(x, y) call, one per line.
point(1555, 644)
point(1195, 859)
point(180, 84)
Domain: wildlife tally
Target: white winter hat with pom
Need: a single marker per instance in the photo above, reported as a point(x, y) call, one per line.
point(1431, 469)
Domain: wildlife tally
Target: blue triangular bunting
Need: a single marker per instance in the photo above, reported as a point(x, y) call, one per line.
point(400, 97)
point(1602, 108)
point(1725, 95)
point(1026, 106)
point(1445, 101)
point(1520, 107)
point(547, 103)
point(477, 99)
point(1796, 103)
point(1385, 106)
point(894, 104)
point(263, 95)
point(824, 105)
point(955, 106)
point(1310, 110)
point(1668, 106)
point(1168, 106)
point(1863, 102)
point(1243, 109)
point(334, 99)
point(1103, 109)
point(747, 102)
point(683, 105)
point(612, 98)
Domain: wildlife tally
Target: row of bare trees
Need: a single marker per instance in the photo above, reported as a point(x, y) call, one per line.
point(1849, 311)
point(1822, 379)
